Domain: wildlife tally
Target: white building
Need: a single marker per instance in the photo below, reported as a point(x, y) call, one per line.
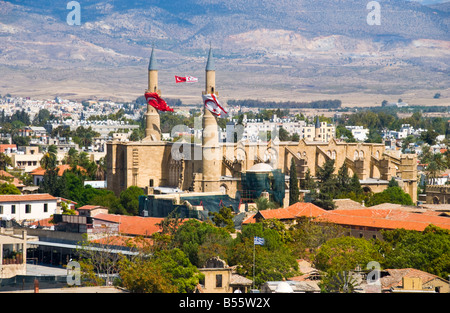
point(255, 130)
point(28, 208)
point(359, 132)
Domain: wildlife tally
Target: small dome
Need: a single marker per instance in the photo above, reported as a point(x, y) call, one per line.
point(261, 167)
point(284, 287)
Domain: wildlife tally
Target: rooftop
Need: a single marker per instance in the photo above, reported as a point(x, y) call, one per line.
point(30, 197)
point(373, 217)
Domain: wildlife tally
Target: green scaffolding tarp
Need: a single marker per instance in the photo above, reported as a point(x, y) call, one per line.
point(253, 184)
point(159, 207)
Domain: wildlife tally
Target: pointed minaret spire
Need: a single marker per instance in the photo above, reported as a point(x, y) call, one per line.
point(210, 74)
point(152, 65)
point(317, 122)
point(210, 66)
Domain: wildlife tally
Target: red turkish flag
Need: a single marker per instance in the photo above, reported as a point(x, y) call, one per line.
point(187, 79)
point(157, 102)
point(179, 79)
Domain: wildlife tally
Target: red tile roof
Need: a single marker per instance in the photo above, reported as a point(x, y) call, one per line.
point(30, 197)
point(15, 181)
point(44, 222)
point(61, 169)
point(296, 210)
point(124, 241)
point(373, 218)
point(3, 147)
point(133, 225)
point(90, 207)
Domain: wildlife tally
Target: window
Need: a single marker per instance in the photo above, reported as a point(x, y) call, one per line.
point(28, 208)
point(219, 281)
point(1, 209)
point(45, 207)
point(13, 209)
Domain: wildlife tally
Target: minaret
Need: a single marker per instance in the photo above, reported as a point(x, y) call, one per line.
point(153, 126)
point(211, 154)
point(317, 130)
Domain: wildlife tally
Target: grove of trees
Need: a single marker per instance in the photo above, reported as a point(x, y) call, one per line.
point(171, 262)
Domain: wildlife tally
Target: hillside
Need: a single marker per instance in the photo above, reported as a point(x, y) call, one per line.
point(286, 49)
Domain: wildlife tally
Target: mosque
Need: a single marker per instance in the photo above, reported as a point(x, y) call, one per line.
point(218, 168)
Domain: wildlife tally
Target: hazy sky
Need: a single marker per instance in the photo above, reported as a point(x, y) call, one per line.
point(430, 1)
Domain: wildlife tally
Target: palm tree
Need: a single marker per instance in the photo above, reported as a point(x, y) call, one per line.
point(100, 172)
point(72, 157)
point(432, 171)
point(48, 161)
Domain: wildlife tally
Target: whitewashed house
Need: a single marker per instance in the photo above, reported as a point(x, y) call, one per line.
point(31, 207)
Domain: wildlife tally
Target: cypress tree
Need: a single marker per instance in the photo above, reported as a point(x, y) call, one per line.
point(294, 192)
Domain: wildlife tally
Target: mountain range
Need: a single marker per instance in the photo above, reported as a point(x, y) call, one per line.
point(286, 50)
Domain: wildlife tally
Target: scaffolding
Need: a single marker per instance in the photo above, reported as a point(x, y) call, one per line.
point(255, 183)
point(197, 207)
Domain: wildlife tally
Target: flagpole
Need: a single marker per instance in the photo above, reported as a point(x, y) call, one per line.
point(253, 263)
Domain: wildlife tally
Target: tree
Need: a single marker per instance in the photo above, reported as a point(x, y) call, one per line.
point(84, 136)
point(428, 250)
point(429, 136)
point(390, 195)
point(273, 260)
point(162, 271)
point(145, 276)
point(183, 274)
point(393, 183)
point(71, 157)
point(308, 236)
point(103, 261)
point(262, 203)
point(109, 201)
point(308, 183)
point(5, 161)
point(343, 179)
point(9, 189)
point(342, 132)
point(192, 234)
point(51, 182)
point(295, 137)
point(224, 218)
point(374, 136)
point(345, 254)
point(327, 184)
point(137, 134)
point(355, 185)
point(66, 210)
point(48, 161)
point(294, 191)
point(41, 118)
point(283, 134)
point(129, 199)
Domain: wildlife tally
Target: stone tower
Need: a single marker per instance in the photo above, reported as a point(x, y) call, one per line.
point(153, 126)
point(211, 153)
